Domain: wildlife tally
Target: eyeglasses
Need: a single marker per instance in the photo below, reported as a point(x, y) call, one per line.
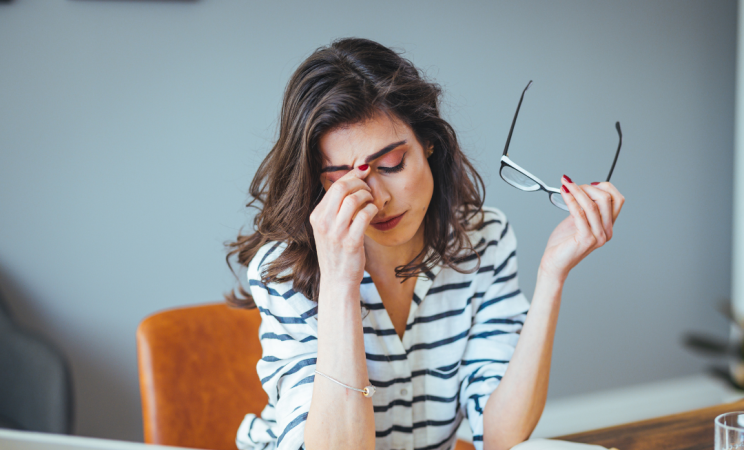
point(521, 179)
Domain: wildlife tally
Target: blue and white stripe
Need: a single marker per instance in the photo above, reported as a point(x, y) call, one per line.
point(461, 333)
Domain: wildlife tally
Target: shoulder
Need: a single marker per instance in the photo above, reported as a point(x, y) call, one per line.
point(494, 228)
point(492, 240)
point(274, 296)
point(265, 255)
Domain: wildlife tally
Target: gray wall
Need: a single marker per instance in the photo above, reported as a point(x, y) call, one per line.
point(130, 131)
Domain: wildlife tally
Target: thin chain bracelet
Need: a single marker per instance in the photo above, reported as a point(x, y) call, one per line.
point(368, 391)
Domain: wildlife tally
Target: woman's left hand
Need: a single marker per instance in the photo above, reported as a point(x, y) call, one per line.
point(594, 209)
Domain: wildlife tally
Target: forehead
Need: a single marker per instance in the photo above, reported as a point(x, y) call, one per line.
point(356, 141)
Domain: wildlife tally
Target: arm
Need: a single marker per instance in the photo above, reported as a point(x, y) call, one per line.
point(339, 417)
point(512, 412)
point(306, 410)
point(499, 312)
point(290, 348)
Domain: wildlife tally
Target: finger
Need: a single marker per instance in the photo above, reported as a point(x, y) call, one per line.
point(362, 221)
point(350, 207)
point(618, 200)
point(331, 178)
point(603, 200)
point(348, 184)
point(582, 225)
point(590, 208)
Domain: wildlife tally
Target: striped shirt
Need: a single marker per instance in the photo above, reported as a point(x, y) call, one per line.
point(460, 335)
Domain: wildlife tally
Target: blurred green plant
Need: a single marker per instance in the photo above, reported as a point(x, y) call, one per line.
point(730, 350)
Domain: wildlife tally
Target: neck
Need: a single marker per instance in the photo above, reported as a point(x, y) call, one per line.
point(382, 260)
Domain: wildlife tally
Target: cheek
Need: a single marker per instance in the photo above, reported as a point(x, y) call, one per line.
point(419, 188)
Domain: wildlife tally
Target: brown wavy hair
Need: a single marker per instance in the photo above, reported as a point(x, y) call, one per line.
point(342, 84)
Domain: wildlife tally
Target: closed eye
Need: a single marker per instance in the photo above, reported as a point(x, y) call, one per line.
point(395, 169)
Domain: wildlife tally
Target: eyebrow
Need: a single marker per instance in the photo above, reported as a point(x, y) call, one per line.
point(369, 158)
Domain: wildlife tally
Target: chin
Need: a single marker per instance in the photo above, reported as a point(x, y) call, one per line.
point(388, 239)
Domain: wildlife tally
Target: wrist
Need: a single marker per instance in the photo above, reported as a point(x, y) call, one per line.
point(552, 274)
point(339, 293)
point(550, 280)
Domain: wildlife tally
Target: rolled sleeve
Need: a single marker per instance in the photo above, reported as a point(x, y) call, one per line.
point(498, 317)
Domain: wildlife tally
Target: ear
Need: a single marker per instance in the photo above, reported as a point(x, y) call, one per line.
point(430, 150)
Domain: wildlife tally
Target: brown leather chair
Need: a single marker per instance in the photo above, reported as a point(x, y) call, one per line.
point(462, 445)
point(197, 368)
point(198, 378)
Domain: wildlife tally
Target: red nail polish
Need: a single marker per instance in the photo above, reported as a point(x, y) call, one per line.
point(565, 189)
point(566, 177)
point(363, 167)
point(594, 183)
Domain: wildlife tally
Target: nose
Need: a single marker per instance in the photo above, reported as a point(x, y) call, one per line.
point(380, 193)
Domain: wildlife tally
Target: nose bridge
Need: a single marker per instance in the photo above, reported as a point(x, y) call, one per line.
point(379, 191)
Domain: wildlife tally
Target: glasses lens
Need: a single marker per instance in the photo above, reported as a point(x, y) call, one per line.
point(557, 200)
point(518, 179)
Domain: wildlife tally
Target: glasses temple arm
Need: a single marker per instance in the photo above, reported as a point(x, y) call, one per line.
point(514, 121)
point(620, 144)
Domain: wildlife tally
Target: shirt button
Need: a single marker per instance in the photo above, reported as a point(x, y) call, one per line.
point(403, 392)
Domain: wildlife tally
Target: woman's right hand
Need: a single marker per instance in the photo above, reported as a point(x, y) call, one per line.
point(339, 222)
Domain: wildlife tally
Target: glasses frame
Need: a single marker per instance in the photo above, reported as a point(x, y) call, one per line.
point(541, 186)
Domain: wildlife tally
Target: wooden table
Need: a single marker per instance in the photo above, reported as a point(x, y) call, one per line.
point(692, 430)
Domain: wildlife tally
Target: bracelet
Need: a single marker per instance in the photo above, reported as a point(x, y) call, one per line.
point(368, 391)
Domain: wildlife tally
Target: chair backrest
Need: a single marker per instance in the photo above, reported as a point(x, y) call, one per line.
point(35, 380)
point(197, 368)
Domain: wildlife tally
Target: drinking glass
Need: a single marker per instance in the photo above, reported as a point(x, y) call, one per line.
point(729, 431)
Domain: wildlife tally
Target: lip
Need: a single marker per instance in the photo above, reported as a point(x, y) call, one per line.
point(387, 219)
point(388, 224)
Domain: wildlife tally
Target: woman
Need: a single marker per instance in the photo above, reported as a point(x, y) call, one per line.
point(375, 265)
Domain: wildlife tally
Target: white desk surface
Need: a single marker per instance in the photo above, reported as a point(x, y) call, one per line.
point(28, 440)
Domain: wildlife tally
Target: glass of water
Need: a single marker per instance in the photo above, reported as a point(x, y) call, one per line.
point(729, 431)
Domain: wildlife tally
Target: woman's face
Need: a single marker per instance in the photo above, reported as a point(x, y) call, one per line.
point(400, 177)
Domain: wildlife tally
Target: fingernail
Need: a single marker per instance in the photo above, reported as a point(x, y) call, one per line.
point(364, 167)
point(594, 183)
point(566, 177)
point(565, 189)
